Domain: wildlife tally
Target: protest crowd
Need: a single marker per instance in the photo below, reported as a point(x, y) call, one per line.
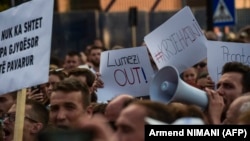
point(69, 101)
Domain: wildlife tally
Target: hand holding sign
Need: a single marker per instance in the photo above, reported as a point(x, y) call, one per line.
point(98, 83)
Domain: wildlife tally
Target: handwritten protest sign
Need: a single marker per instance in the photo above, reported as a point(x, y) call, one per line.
point(220, 53)
point(179, 41)
point(125, 71)
point(25, 44)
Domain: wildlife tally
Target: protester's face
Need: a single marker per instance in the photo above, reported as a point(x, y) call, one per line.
point(6, 101)
point(71, 62)
point(230, 87)
point(44, 91)
point(9, 122)
point(30, 125)
point(94, 56)
point(66, 108)
point(130, 123)
point(190, 75)
point(53, 79)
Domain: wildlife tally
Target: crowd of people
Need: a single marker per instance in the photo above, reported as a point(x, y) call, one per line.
point(69, 102)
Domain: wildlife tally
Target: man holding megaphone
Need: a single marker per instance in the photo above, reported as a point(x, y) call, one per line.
point(167, 86)
point(234, 82)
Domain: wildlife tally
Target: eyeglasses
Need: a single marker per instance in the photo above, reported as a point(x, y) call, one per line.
point(30, 119)
point(12, 117)
point(201, 65)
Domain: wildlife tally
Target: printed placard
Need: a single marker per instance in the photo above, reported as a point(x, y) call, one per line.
point(25, 45)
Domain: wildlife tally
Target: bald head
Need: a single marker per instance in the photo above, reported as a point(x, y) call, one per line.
point(116, 105)
point(238, 106)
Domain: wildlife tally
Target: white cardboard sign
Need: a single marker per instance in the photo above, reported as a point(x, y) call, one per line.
point(220, 53)
point(179, 41)
point(125, 71)
point(25, 45)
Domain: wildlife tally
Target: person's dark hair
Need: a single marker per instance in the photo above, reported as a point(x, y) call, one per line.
point(38, 112)
point(93, 47)
point(90, 76)
point(239, 68)
point(71, 85)
point(62, 75)
point(156, 110)
point(129, 101)
point(244, 34)
point(74, 53)
point(99, 108)
point(94, 97)
point(195, 111)
point(202, 75)
point(1, 131)
point(54, 60)
point(13, 95)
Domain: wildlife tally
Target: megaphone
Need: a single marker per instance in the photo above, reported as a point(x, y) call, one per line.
point(167, 86)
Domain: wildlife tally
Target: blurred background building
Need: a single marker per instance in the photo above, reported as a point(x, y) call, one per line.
point(77, 23)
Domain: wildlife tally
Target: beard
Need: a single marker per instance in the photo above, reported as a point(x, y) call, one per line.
point(96, 63)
